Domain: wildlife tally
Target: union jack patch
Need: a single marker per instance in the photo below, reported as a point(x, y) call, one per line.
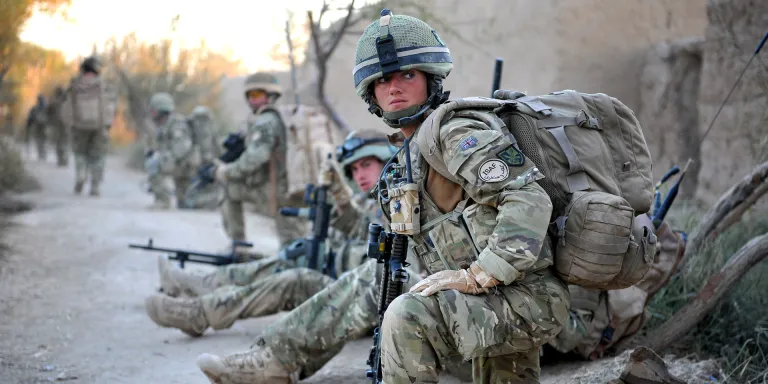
point(468, 143)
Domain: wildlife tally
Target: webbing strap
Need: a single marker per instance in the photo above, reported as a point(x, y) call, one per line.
point(591, 246)
point(436, 221)
point(556, 121)
point(456, 213)
point(536, 104)
point(576, 177)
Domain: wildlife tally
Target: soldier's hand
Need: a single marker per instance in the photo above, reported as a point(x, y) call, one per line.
point(220, 173)
point(473, 281)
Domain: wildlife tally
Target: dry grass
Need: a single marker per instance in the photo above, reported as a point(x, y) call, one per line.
point(736, 331)
point(13, 175)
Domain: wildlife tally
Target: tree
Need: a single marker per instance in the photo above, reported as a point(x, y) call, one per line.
point(13, 14)
point(190, 74)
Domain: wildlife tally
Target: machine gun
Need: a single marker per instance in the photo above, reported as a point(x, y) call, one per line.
point(391, 250)
point(183, 255)
point(313, 247)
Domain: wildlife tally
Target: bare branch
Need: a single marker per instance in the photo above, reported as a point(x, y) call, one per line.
point(336, 37)
point(314, 33)
point(718, 286)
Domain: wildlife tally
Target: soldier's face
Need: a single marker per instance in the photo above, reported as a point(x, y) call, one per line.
point(400, 90)
point(365, 172)
point(257, 99)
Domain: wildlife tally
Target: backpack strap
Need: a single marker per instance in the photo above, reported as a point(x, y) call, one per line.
point(428, 135)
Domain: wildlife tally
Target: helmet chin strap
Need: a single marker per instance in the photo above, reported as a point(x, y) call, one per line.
point(402, 118)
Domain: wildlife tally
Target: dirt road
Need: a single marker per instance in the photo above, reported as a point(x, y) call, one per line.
point(72, 292)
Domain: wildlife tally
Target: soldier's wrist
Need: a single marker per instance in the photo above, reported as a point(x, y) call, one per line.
point(483, 278)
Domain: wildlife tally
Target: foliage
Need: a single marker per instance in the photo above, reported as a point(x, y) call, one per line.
point(13, 175)
point(192, 75)
point(737, 329)
point(25, 69)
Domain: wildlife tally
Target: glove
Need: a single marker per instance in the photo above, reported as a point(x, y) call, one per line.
point(152, 164)
point(330, 177)
point(473, 281)
point(220, 173)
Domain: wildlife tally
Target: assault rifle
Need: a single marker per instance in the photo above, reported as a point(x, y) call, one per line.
point(234, 145)
point(183, 255)
point(313, 247)
point(391, 250)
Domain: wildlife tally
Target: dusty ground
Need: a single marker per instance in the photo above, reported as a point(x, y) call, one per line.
point(71, 292)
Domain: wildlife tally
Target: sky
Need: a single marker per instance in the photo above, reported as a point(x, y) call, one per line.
point(246, 29)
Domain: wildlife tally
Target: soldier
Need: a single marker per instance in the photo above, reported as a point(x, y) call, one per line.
point(254, 289)
point(37, 122)
point(172, 153)
point(89, 112)
point(59, 128)
point(491, 297)
point(203, 133)
point(259, 176)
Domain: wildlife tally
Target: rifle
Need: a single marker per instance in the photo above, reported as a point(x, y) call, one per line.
point(234, 146)
point(391, 250)
point(497, 67)
point(660, 209)
point(184, 256)
point(311, 248)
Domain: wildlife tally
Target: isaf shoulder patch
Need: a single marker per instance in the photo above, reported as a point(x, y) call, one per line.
point(493, 171)
point(512, 156)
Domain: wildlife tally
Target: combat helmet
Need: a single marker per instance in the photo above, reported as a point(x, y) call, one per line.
point(201, 111)
point(264, 81)
point(162, 102)
point(397, 43)
point(91, 64)
point(358, 145)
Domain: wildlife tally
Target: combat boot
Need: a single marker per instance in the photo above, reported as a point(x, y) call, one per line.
point(95, 192)
point(79, 187)
point(646, 367)
point(258, 365)
point(175, 282)
point(160, 205)
point(184, 314)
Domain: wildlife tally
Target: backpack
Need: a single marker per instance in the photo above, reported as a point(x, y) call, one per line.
point(603, 319)
point(597, 168)
point(88, 104)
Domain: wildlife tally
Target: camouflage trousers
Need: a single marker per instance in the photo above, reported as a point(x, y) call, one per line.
point(500, 332)
point(344, 310)
point(62, 143)
point(259, 288)
point(233, 214)
point(162, 190)
point(232, 275)
point(90, 150)
point(38, 131)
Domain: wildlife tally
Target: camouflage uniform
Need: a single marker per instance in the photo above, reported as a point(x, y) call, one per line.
point(173, 152)
point(203, 133)
point(259, 175)
point(36, 126)
point(89, 112)
point(483, 227)
point(61, 133)
point(263, 287)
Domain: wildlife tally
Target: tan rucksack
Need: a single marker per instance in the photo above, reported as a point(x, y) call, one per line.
point(597, 165)
point(604, 318)
point(89, 108)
